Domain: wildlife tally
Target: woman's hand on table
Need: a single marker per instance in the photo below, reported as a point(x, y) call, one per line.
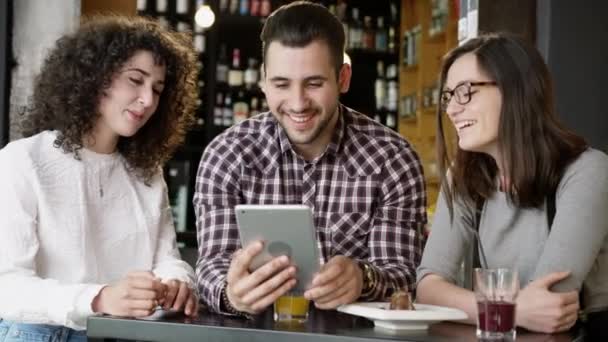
point(539, 309)
point(136, 295)
point(180, 297)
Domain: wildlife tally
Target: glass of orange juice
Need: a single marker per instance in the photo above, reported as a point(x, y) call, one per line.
point(292, 306)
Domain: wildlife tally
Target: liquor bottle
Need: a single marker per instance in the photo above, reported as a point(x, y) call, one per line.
point(142, 6)
point(240, 108)
point(218, 110)
point(251, 74)
point(254, 106)
point(391, 45)
point(392, 24)
point(380, 91)
point(182, 7)
point(254, 8)
point(182, 26)
point(178, 179)
point(381, 36)
point(265, 8)
point(341, 15)
point(392, 95)
point(221, 74)
point(199, 43)
point(161, 6)
point(417, 35)
point(234, 6)
point(369, 35)
point(227, 113)
point(244, 7)
point(355, 30)
point(235, 74)
point(223, 6)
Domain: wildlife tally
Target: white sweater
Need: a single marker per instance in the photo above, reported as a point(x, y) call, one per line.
point(68, 227)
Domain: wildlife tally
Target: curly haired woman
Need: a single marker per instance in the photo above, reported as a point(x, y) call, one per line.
point(84, 218)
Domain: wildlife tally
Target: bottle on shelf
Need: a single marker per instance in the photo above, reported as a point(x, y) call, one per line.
point(218, 110)
point(142, 6)
point(199, 43)
point(381, 36)
point(178, 184)
point(251, 74)
point(240, 108)
point(182, 7)
point(227, 113)
point(234, 6)
point(417, 35)
point(221, 74)
point(341, 15)
point(254, 8)
point(392, 24)
point(392, 95)
point(265, 8)
point(223, 6)
point(254, 106)
point(369, 35)
point(183, 26)
point(355, 30)
point(235, 74)
point(380, 91)
point(161, 6)
point(244, 7)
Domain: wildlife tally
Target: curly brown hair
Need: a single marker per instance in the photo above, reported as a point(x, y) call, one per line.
point(80, 68)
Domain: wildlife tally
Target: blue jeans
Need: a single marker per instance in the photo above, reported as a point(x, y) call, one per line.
point(17, 332)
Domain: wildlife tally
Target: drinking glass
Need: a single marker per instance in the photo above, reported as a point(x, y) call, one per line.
point(291, 307)
point(496, 291)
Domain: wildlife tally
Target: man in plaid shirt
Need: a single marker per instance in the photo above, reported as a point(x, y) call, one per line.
point(363, 181)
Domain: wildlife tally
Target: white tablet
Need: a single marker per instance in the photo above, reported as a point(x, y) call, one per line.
point(285, 230)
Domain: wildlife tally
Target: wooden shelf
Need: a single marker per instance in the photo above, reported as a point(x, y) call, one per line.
point(416, 79)
point(411, 119)
point(437, 38)
point(409, 68)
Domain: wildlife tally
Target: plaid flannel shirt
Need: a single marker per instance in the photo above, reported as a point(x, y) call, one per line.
point(367, 192)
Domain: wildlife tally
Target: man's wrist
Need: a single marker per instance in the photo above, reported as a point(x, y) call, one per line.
point(369, 279)
point(227, 306)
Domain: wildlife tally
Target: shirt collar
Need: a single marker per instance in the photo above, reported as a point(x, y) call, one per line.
point(332, 148)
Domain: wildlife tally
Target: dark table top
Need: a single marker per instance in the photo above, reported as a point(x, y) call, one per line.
point(321, 326)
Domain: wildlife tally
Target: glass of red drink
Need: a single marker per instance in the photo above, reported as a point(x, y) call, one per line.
point(496, 291)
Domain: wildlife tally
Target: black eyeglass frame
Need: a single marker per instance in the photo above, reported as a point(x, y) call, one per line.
point(451, 93)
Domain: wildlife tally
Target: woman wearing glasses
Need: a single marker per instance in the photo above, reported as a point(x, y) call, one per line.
point(515, 170)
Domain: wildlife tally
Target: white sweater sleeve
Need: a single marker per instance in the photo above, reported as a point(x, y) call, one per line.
point(24, 296)
point(167, 261)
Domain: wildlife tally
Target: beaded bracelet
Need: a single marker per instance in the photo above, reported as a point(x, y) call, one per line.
point(229, 308)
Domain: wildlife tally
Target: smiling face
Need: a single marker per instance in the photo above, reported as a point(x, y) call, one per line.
point(129, 102)
point(477, 121)
point(302, 93)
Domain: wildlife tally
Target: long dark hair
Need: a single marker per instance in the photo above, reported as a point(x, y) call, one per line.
point(534, 145)
point(80, 68)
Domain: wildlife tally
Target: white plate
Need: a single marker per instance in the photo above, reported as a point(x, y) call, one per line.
point(418, 319)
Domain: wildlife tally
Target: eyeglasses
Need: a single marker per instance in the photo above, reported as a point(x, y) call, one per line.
point(462, 93)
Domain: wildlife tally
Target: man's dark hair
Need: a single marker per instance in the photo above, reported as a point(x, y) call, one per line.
point(302, 22)
point(81, 66)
